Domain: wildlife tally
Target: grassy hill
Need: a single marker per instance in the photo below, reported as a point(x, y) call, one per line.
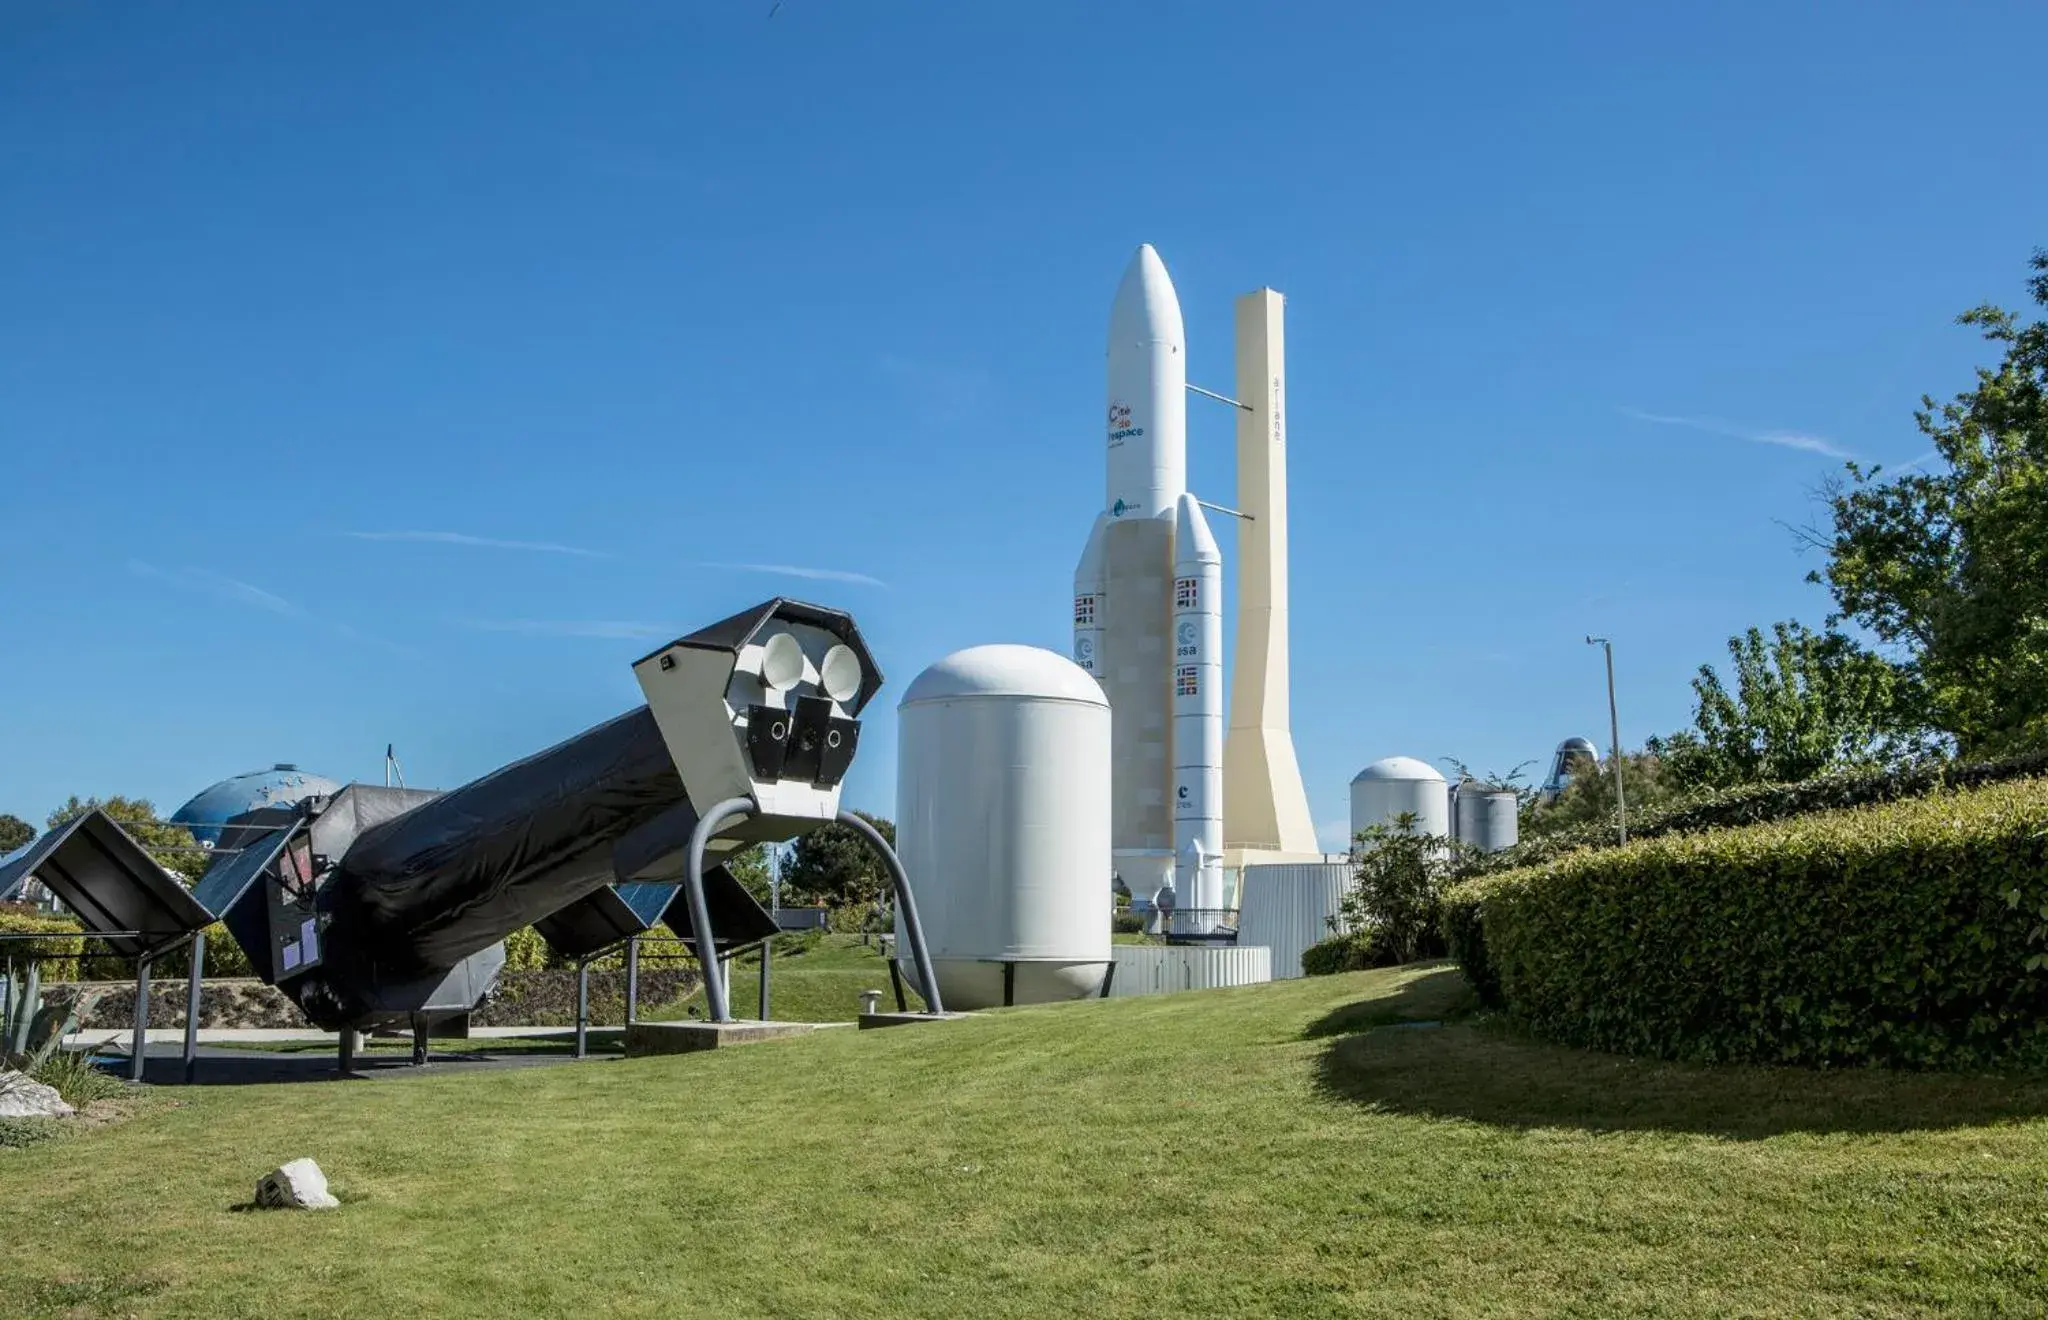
point(1298, 1149)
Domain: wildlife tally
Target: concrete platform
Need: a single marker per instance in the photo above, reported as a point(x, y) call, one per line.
point(643, 1038)
point(868, 1020)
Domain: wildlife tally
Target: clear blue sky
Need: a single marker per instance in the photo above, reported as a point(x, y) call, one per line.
point(632, 293)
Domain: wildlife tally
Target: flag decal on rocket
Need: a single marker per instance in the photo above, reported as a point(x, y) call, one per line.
point(1184, 681)
point(1187, 593)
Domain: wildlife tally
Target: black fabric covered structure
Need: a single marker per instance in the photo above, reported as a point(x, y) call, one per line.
point(451, 876)
point(111, 885)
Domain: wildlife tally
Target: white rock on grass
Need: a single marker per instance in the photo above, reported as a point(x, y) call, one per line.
point(297, 1186)
point(23, 1097)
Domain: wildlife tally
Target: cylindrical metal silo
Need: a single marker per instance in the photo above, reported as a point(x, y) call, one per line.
point(1387, 788)
point(1488, 816)
point(1003, 824)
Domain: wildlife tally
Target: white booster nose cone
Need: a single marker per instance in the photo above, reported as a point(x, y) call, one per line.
point(839, 674)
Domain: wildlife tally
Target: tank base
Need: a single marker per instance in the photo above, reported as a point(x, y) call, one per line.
point(644, 1038)
point(872, 1020)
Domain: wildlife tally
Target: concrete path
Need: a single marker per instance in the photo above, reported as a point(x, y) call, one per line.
point(120, 1036)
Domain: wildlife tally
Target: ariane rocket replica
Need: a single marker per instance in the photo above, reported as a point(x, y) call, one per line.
point(1148, 615)
point(1148, 611)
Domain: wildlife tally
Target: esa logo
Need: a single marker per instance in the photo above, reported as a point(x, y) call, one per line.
point(1184, 640)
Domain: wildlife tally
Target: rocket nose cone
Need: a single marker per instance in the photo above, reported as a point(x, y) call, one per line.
point(1146, 306)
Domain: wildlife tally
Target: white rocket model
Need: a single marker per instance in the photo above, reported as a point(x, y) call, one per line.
point(1148, 611)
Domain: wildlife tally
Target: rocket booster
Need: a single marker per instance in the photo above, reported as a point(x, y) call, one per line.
point(1148, 609)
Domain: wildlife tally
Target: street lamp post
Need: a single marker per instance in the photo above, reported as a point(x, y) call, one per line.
point(1614, 731)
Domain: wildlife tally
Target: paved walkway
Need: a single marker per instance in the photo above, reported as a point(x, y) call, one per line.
point(120, 1036)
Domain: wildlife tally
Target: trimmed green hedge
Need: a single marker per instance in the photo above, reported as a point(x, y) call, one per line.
point(1911, 934)
point(1754, 804)
point(58, 954)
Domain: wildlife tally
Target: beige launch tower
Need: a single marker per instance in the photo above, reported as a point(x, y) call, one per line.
point(1265, 809)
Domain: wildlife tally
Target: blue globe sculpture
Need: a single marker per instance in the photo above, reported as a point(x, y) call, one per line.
point(279, 786)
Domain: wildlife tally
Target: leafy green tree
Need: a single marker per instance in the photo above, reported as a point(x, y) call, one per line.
point(14, 832)
point(1589, 793)
point(1804, 704)
point(1399, 874)
point(749, 866)
point(1949, 565)
point(834, 866)
point(172, 846)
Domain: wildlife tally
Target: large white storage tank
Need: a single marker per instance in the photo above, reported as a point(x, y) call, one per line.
point(1002, 821)
point(1489, 817)
point(1386, 788)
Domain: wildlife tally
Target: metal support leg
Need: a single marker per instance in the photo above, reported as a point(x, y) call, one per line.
point(141, 1041)
point(632, 980)
point(192, 993)
point(582, 1006)
point(1108, 975)
point(1009, 985)
point(419, 1040)
point(345, 1062)
point(715, 999)
point(896, 984)
point(767, 948)
point(906, 906)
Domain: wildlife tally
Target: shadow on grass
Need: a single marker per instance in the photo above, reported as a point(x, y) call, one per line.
point(1478, 1069)
point(1438, 995)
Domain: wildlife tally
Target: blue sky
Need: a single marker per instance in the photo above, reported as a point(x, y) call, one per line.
point(401, 372)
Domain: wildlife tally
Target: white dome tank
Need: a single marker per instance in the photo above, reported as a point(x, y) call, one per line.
point(1385, 789)
point(1002, 821)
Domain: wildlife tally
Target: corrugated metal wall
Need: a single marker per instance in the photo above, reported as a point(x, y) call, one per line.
point(1284, 908)
point(1159, 969)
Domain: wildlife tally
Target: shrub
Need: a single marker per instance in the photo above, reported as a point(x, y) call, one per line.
point(1123, 921)
point(1910, 934)
point(1395, 903)
point(525, 950)
point(56, 955)
point(224, 957)
point(1754, 804)
point(1339, 953)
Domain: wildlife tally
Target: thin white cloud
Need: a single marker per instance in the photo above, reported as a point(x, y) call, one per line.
point(1919, 462)
point(226, 588)
point(813, 574)
point(485, 542)
point(1800, 440)
point(607, 628)
point(237, 592)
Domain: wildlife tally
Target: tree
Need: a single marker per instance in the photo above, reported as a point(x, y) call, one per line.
point(172, 846)
point(1589, 793)
point(14, 833)
point(1399, 874)
point(1515, 781)
point(749, 866)
point(1804, 704)
point(1950, 567)
point(834, 866)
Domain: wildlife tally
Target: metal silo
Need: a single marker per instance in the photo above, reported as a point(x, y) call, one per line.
point(1488, 816)
point(1385, 789)
point(1003, 824)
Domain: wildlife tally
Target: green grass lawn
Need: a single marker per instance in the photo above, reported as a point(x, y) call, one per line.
point(821, 984)
point(1306, 1148)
